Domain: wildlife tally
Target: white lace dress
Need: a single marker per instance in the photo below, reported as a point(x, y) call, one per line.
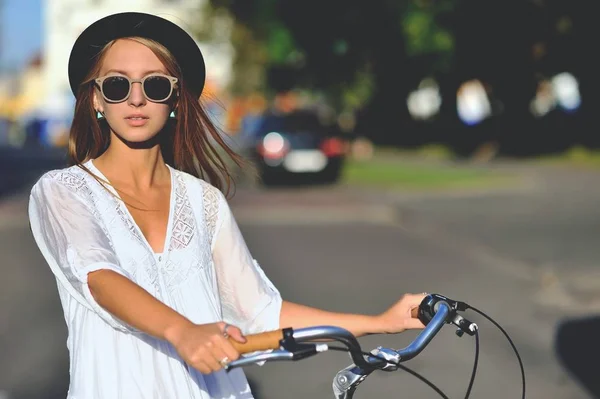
point(205, 272)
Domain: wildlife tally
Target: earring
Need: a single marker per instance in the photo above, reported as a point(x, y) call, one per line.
point(99, 115)
point(172, 115)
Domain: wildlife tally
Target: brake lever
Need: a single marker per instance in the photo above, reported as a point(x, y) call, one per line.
point(429, 306)
point(274, 355)
point(464, 326)
point(299, 352)
point(302, 351)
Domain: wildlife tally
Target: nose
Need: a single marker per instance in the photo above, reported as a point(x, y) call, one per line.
point(136, 98)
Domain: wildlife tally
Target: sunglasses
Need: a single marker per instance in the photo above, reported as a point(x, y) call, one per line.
point(156, 87)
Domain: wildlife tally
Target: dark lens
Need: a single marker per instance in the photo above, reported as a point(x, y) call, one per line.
point(157, 88)
point(115, 88)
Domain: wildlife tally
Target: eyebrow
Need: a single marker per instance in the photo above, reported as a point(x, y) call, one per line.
point(144, 74)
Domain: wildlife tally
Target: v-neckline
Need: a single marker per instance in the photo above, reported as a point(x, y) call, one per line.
point(167, 238)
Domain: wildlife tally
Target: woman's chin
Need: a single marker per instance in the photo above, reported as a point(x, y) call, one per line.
point(138, 137)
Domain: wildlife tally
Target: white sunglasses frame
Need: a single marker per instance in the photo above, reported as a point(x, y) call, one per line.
point(173, 80)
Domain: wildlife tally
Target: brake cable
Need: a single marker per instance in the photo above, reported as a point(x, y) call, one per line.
point(475, 363)
point(509, 341)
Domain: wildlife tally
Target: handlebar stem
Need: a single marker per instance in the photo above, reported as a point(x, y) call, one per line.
point(347, 380)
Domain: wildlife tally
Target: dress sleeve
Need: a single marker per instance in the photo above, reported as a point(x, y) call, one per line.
point(249, 299)
point(73, 242)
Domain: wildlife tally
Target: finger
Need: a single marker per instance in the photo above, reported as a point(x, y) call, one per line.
point(236, 334)
point(415, 299)
point(201, 367)
point(222, 325)
point(212, 362)
point(414, 312)
point(230, 350)
point(219, 355)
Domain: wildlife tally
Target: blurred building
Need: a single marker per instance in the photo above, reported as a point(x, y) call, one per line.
point(9, 88)
point(22, 92)
point(31, 86)
point(66, 19)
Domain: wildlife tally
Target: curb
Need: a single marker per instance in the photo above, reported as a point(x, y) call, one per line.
point(304, 215)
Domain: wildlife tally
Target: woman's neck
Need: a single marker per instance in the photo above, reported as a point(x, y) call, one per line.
point(139, 169)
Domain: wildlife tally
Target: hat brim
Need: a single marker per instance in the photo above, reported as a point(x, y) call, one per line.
point(129, 24)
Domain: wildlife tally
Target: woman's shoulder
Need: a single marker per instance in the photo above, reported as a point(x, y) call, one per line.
point(71, 178)
point(207, 188)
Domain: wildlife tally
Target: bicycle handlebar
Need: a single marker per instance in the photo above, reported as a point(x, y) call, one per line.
point(270, 340)
point(434, 311)
point(288, 344)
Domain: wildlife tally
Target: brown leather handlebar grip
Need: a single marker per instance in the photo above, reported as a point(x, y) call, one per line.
point(258, 342)
point(414, 313)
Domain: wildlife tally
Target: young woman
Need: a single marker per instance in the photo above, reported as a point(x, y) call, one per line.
point(149, 261)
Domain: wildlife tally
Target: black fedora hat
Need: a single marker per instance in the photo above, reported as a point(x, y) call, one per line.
point(128, 24)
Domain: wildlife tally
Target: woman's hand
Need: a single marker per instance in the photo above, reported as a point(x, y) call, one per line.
point(398, 317)
point(205, 346)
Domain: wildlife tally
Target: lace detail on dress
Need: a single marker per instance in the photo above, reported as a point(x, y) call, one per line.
point(75, 181)
point(184, 223)
point(210, 196)
point(188, 235)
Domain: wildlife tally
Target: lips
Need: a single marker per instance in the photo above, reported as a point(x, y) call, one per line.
point(137, 120)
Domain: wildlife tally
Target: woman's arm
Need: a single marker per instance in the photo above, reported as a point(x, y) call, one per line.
point(298, 316)
point(135, 306)
point(200, 345)
point(394, 320)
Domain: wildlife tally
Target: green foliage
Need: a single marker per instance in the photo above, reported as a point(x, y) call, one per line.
point(424, 34)
point(359, 92)
point(578, 156)
point(401, 174)
point(280, 44)
point(332, 50)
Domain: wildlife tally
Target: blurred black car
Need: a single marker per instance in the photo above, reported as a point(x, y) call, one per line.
point(288, 146)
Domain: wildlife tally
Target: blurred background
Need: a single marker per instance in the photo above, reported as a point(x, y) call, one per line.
point(399, 146)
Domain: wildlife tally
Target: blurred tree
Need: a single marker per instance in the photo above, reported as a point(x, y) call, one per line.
point(361, 55)
point(426, 34)
point(367, 56)
point(219, 28)
point(576, 32)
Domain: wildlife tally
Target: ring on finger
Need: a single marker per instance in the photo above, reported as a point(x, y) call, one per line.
point(224, 362)
point(225, 333)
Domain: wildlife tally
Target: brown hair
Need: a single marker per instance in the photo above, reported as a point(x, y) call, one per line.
point(191, 144)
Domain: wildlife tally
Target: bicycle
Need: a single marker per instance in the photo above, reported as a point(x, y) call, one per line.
point(434, 312)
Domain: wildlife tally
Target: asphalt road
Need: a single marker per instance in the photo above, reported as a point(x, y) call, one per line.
point(525, 257)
